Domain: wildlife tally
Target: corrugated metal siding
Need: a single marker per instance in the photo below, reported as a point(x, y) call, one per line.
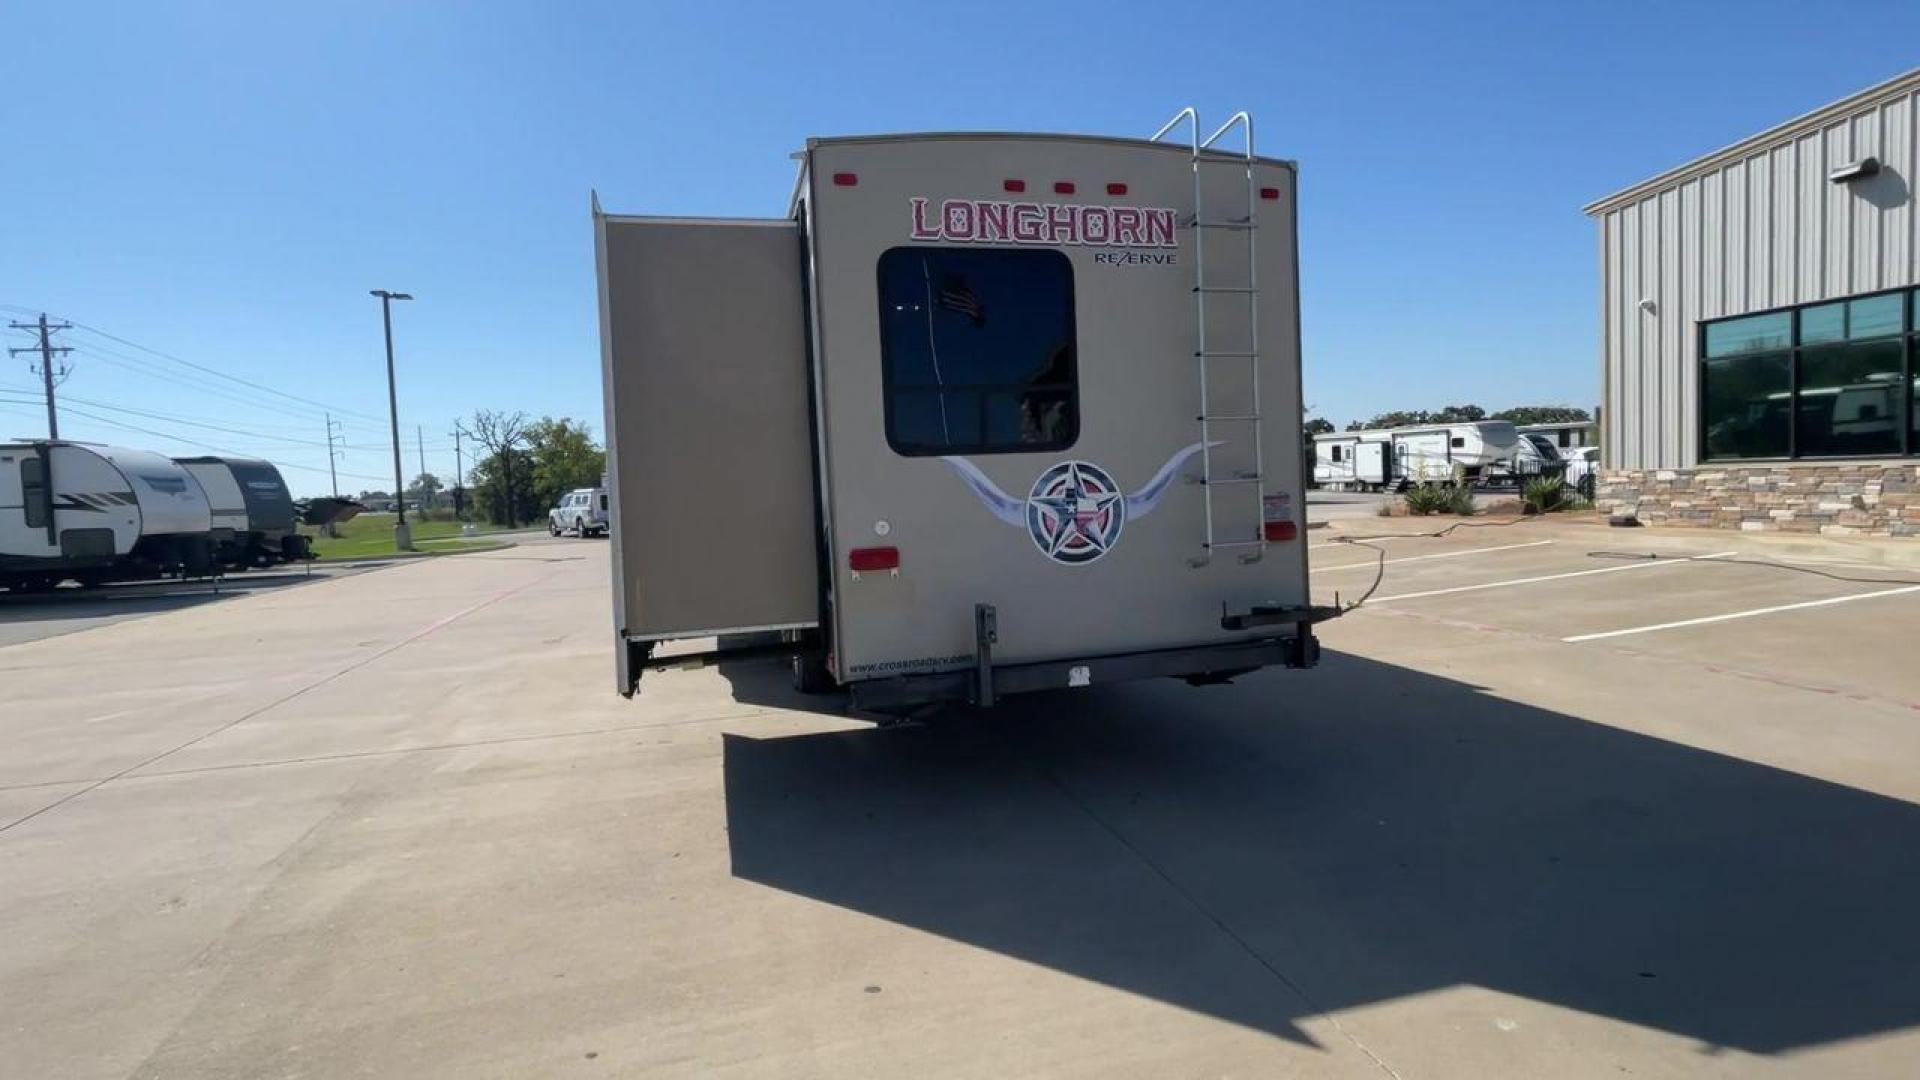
point(1763, 230)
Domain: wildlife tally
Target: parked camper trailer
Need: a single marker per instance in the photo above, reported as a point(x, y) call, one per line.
point(252, 511)
point(95, 513)
point(982, 414)
point(1381, 458)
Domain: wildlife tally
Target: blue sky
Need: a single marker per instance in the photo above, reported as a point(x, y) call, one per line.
point(223, 183)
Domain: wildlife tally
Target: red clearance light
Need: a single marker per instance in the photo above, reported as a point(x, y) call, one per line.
point(1116, 189)
point(1280, 530)
point(845, 179)
point(1063, 187)
point(1014, 185)
point(1269, 192)
point(868, 560)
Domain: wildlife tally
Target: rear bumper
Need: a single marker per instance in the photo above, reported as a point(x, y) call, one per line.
point(1296, 648)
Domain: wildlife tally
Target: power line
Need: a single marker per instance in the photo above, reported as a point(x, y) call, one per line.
point(205, 446)
point(212, 371)
point(183, 420)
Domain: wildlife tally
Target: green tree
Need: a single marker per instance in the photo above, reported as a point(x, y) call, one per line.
point(1317, 426)
point(1543, 414)
point(564, 457)
point(425, 490)
point(502, 488)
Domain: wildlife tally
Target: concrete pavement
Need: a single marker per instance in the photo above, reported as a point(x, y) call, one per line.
point(399, 824)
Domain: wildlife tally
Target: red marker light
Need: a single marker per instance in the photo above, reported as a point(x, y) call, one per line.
point(845, 179)
point(1063, 187)
point(868, 560)
point(1014, 185)
point(1269, 192)
point(1116, 189)
point(1280, 530)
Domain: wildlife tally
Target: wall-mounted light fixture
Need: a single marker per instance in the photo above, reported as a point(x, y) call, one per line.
point(1647, 305)
point(1854, 170)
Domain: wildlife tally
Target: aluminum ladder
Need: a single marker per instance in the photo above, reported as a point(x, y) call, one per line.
point(1249, 548)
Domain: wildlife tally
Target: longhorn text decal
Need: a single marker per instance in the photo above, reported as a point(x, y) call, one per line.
point(982, 221)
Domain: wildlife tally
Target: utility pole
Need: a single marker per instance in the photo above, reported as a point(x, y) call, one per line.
point(420, 447)
point(46, 349)
point(332, 454)
point(459, 472)
point(402, 536)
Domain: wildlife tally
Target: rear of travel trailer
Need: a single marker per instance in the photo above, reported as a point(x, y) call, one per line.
point(97, 513)
point(983, 414)
point(253, 517)
point(65, 511)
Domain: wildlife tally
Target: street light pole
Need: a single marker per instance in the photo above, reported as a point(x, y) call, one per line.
point(402, 536)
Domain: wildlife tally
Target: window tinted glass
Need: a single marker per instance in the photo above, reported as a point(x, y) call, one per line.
point(1458, 442)
point(1746, 405)
point(1756, 333)
point(1336, 451)
point(1849, 400)
point(977, 351)
point(33, 491)
point(1874, 316)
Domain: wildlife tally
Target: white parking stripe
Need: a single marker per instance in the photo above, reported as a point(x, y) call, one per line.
point(1739, 615)
point(1648, 565)
point(1416, 558)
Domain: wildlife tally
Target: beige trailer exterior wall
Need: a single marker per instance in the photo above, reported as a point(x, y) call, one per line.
point(1755, 226)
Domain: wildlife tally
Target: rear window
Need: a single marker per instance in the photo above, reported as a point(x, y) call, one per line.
point(977, 351)
point(33, 491)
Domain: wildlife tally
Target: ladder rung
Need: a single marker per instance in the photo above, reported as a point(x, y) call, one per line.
point(1238, 224)
point(1240, 162)
point(1218, 419)
point(1231, 480)
point(1236, 543)
point(1225, 288)
point(1210, 353)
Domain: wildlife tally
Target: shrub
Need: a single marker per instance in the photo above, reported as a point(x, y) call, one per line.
point(1424, 499)
point(1546, 494)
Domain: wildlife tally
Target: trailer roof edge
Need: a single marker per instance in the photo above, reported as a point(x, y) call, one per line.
point(1043, 136)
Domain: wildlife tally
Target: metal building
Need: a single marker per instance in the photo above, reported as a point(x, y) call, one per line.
point(1758, 325)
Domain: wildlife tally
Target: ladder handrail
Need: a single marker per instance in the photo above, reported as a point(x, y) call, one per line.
point(1188, 114)
point(1244, 120)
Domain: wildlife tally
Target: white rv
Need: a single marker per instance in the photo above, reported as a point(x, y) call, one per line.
point(983, 413)
point(1381, 458)
point(94, 513)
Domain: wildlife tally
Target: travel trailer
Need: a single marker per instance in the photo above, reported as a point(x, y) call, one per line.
point(95, 513)
point(981, 414)
point(252, 511)
point(1381, 458)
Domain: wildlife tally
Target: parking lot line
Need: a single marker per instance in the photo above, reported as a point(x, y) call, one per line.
point(1731, 615)
point(1648, 565)
point(1416, 558)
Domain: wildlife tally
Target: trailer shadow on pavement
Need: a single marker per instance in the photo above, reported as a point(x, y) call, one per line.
point(1304, 843)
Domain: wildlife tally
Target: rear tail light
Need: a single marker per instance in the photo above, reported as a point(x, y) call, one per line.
point(845, 179)
point(1280, 530)
point(1116, 189)
point(1063, 187)
point(870, 560)
point(1014, 185)
point(1269, 192)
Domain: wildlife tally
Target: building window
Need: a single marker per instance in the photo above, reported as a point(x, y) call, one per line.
point(1832, 379)
point(977, 351)
point(1336, 451)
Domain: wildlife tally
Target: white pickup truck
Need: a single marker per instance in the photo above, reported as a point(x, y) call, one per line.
point(582, 511)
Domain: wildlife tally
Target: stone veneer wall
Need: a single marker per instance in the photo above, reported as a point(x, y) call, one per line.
point(1857, 499)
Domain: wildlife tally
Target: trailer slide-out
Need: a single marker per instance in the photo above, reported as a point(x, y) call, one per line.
point(984, 413)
